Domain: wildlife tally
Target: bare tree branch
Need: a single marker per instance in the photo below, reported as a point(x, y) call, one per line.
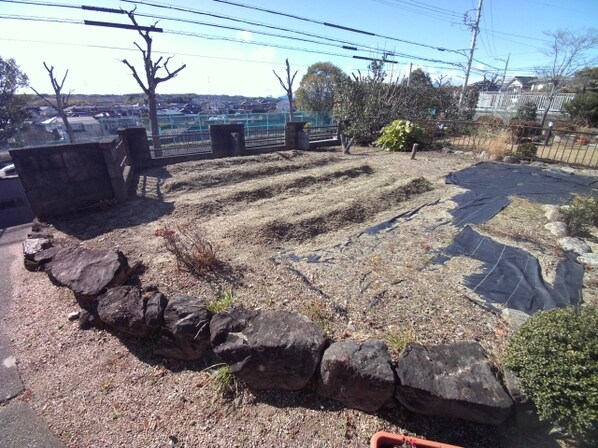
point(136, 76)
point(288, 87)
point(61, 101)
point(151, 69)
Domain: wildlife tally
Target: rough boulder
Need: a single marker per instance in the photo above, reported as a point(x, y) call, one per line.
point(268, 349)
point(185, 333)
point(357, 375)
point(122, 308)
point(32, 247)
point(451, 380)
point(88, 273)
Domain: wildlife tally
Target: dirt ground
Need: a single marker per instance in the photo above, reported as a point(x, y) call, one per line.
point(295, 231)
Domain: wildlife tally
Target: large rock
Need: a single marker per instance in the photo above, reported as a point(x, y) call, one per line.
point(44, 257)
point(451, 380)
point(186, 330)
point(552, 212)
point(122, 308)
point(88, 273)
point(357, 375)
point(32, 247)
point(514, 318)
point(155, 305)
point(557, 228)
point(268, 349)
point(574, 245)
point(589, 259)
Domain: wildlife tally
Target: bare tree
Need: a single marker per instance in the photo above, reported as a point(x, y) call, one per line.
point(61, 101)
point(288, 87)
point(151, 74)
point(568, 53)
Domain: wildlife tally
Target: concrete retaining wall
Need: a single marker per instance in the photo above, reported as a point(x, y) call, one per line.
point(59, 180)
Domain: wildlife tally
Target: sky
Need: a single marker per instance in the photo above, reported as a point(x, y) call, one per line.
point(238, 60)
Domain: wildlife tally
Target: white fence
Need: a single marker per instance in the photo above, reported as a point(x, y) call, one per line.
point(510, 101)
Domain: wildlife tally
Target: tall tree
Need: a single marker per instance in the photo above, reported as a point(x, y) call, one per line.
point(363, 104)
point(11, 105)
point(61, 100)
point(316, 89)
point(584, 80)
point(567, 53)
point(151, 68)
point(288, 86)
point(418, 78)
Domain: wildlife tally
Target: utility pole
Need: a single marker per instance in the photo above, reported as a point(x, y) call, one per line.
point(475, 29)
point(504, 74)
point(409, 77)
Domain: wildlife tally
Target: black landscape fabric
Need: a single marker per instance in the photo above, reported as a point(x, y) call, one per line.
point(512, 276)
point(491, 184)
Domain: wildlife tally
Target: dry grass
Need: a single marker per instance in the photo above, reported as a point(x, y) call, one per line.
point(500, 144)
point(354, 284)
point(193, 252)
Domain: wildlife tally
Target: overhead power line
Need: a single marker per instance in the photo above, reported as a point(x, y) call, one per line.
point(229, 39)
point(318, 22)
point(418, 9)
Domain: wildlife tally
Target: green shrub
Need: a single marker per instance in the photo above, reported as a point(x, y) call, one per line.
point(225, 382)
point(527, 112)
point(398, 339)
point(223, 302)
point(583, 109)
point(555, 356)
point(400, 135)
point(526, 151)
point(581, 213)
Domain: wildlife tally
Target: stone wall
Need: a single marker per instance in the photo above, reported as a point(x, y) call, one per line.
point(59, 180)
point(278, 349)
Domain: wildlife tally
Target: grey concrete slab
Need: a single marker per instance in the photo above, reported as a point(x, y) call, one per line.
point(10, 381)
point(10, 243)
point(20, 427)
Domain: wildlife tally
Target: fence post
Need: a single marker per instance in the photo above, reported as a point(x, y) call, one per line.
point(548, 132)
point(414, 151)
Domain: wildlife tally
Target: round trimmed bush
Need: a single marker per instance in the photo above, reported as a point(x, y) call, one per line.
point(526, 151)
point(400, 135)
point(555, 356)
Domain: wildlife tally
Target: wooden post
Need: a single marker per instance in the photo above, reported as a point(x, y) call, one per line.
point(414, 150)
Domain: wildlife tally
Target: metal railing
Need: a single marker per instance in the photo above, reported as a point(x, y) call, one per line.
point(180, 144)
point(559, 145)
point(318, 133)
point(507, 101)
point(263, 136)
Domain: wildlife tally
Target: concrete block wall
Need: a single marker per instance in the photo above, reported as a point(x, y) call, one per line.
point(59, 180)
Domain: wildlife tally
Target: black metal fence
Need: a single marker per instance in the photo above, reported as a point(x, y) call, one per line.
point(180, 144)
point(318, 133)
point(264, 136)
point(560, 145)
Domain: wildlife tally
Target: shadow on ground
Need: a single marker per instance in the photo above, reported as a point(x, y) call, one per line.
point(145, 205)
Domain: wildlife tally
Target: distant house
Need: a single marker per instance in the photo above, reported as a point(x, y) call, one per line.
point(527, 84)
point(282, 105)
point(84, 127)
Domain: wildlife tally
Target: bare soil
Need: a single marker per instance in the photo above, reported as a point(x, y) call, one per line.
point(292, 229)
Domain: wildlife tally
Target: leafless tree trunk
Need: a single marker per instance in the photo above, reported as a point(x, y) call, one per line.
point(62, 102)
point(288, 87)
point(151, 74)
point(346, 143)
